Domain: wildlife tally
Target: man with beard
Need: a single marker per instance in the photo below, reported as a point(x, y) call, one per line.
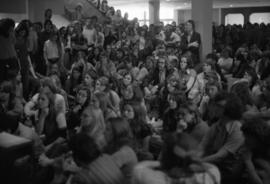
point(191, 122)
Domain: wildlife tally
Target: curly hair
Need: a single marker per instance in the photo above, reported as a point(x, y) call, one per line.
point(242, 91)
point(5, 25)
point(257, 127)
point(233, 108)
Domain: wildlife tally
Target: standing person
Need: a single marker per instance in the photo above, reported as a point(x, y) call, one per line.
point(78, 40)
point(90, 33)
point(53, 50)
point(79, 11)
point(25, 62)
point(43, 37)
point(193, 40)
point(48, 14)
point(104, 6)
point(8, 56)
point(100, 36)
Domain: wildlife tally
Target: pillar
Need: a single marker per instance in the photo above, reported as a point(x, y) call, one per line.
point(202, 12)
point(154, 6)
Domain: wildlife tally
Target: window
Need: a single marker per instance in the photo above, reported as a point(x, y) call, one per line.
point(235, 18)
point(259, 18)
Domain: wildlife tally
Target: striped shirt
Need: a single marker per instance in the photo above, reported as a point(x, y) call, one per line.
point(104, 170)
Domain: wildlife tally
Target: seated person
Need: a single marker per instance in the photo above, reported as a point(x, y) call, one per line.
point(190, 122)
point(119, 143)
point(11, 108)
point(262, 102)
point(180, 163)
point(50, 121)
point(223, 141)
point(225, 62)
point(82, 100)
point(30, 108)
point(95, 167)
point(256, 155)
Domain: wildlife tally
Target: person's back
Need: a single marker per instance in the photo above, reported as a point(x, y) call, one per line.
point(103, 170)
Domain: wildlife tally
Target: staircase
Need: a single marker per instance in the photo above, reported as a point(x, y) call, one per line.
point(88, 10)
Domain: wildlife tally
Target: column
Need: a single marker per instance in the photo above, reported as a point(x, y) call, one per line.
point(202, 12)
point(154, 6)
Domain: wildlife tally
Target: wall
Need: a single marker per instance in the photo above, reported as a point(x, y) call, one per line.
point(37, 8)
point(246, 11)
point(185, 14)
point(12, 6)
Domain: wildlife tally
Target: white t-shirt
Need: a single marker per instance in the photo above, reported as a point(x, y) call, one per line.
point(51, 50)
point(59, 102)
point(175, 37)
point(90, 35)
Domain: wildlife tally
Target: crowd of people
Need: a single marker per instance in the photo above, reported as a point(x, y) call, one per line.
point(116, 102)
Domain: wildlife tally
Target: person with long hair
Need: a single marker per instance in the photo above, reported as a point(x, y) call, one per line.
point(48, 123)
point(82, 100)
point(74, 80)
point(170, 116)
point(93, 124)
point(136, 117)
point(189, 79)
point(30, 108)
point(105, 105)
point(210, 107)
point(89, 80)
point(103, 85)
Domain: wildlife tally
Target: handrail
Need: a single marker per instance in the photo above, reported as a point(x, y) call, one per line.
point(71, 15)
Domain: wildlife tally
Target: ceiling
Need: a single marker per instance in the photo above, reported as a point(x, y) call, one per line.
point(183, 4)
